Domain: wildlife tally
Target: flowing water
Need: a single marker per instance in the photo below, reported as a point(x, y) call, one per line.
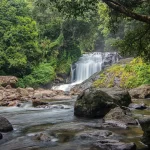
point(56, 128)
point(87, 65)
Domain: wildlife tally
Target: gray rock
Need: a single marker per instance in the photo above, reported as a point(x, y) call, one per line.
point(93, 103)
point(5, 125)
point(109, 144)
point(79, 88)
point(119, 117)
point(97, 102)
point(95, 135)
point(145, 124)
point(121, 97)
point(140, 92)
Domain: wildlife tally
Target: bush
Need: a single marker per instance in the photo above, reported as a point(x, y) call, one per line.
point(41, 74)
point(129, 75)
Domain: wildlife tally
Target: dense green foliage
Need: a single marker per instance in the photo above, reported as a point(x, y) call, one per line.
point(129, 75)
point(36, 34)
point(41, 74)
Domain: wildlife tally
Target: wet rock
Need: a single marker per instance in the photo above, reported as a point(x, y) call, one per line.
point(95, 135)
point(137, 106)
point(42, 137)
point(1, 136)
point(8, 80)
point(109, 144)
point(121, 97)
point(93, 103)
point(36, 103)
point(5, 125)
point(119, 117)
point(5, 103)
point(68, 127)
point(140, 92)
point(77, 89)
point(13, 103)
point(145, 124)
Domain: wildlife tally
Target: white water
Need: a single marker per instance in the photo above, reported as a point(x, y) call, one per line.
point(87, 65)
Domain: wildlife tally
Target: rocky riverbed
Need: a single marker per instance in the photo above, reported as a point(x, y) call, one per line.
point(105, 118)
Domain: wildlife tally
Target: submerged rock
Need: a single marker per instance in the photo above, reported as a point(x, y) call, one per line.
point(140, 92)
point(93, 103)
point(36, 103)
point(5, 125)
point(43, 137)
point(109, 144)
point(119, 117)
point(8, 80)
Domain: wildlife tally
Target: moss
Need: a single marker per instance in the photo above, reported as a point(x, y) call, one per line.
point(129, 75)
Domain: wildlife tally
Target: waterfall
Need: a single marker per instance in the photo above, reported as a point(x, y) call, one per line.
point(87, 65)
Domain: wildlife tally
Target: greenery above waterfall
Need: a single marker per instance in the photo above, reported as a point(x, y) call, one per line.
point(128, 75)
point(41, 39)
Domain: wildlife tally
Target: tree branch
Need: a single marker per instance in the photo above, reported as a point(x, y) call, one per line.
point(122, 9)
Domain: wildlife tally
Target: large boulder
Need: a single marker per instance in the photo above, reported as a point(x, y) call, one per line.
point(5, 125)
point(140, 92)
point(120, 117)
point(121, 97)
point(97, 102)
point(145, 124)
point(8, 80)
point(93, 103)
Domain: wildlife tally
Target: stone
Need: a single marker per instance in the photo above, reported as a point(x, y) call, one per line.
point(42, 137)
point(22, 92)
point(145, 124)
point(109, 144)
point(119, 117)
point(5, 125)
point(121, 97)
point(95, 135)
point(36, 103)
point(30, 89)
point(13, 103)
point(140, 92)
point(79, 88)
point(8, 80)
point(93, 103)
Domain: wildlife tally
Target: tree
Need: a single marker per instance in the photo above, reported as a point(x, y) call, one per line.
point(18, 38)
point(128, 8)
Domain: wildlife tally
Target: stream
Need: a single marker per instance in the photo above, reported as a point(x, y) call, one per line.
point(56, 128)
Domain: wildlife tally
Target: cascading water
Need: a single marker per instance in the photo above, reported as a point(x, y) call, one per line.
point(87, 65)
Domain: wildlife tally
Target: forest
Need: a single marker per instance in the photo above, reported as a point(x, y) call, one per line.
point(41, 39)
